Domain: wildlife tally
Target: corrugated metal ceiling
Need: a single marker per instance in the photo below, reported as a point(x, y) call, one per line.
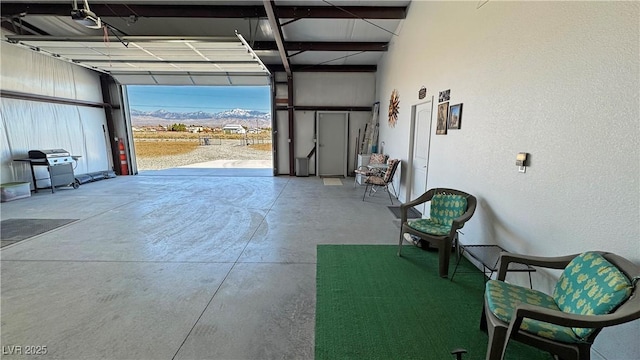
point(137, 51)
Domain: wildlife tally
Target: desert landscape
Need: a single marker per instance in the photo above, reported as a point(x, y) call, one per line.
point(169, 149)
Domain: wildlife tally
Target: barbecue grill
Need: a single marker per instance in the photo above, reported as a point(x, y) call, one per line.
point(59, 165)
point(53, 157)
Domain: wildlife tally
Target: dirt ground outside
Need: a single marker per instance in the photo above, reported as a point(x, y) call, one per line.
point(159, 154)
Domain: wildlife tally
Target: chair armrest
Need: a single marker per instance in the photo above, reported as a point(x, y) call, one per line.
point(404, 208)
point(419, 200)
point(562, 318)
point(458, 223)
point(559, 262)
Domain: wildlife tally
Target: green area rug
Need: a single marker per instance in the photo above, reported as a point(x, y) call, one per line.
point(371, 304)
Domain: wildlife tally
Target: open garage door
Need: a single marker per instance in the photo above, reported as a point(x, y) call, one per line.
point(225, 129)
point(159, 60)
point(197, 61)
point(188, 78)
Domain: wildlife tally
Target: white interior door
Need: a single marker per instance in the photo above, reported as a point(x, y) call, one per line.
point(421, 141)
point(332, 132)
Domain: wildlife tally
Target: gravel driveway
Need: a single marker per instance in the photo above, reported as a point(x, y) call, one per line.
point(227, 150)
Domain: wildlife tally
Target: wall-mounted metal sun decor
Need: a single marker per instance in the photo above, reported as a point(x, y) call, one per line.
point(394, 107)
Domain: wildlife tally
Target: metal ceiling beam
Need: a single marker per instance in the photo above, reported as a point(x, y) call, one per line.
point(125, 10)
point(225, 73)
point(276, 29)
point(136, 39)
point(19, 26)
point(324, 68)
point(322, 46)
point(50, 99)
point(209, 11)
point(178, 62)
point(342, 12)
point(277, 34)
point(325, 108)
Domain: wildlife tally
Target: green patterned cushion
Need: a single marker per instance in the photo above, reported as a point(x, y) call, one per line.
point(503, 298)
point(447, 207)
point(429, 226)
point(591, 285)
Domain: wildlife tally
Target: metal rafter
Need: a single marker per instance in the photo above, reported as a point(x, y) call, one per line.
point(322, 46)
point(125, 10)
point(19, 25)
point(344, 12)
point(100, 39)
point(324, 68)
point(274, 22)
point(177, 62)
point(277, 34)
point(209, 11)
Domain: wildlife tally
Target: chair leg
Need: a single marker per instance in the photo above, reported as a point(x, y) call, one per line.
point(395, 193)
point(495, 347)
point(483, 320)
point(390, 198)
point(444, 254)
point(400, 242)
point(365, 191)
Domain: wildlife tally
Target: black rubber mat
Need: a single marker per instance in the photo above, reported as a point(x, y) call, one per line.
point(411, 213)
point(14, 230)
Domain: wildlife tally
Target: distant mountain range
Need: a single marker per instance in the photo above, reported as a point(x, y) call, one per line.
point(248, 118)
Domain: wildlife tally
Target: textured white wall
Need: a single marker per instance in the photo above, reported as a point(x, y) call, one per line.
point(559, 80)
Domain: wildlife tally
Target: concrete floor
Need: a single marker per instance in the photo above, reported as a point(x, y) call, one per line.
point(179, 264)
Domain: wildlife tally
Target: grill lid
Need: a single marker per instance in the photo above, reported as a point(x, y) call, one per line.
point(52, 156)
point(43, 154)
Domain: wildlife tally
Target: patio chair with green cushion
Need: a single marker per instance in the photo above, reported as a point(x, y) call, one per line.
point(595, 290)
point(450, 209)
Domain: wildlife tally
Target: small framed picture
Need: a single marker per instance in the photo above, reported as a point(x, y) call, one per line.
point(443, 112)
point(444, 96)
point(455, 116)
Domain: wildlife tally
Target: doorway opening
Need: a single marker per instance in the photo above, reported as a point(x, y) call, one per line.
point(420, 145)
point(201, 126)
point(332, 149)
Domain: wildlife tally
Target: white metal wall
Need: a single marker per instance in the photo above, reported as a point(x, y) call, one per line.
point(322, 89)
point(28, 125)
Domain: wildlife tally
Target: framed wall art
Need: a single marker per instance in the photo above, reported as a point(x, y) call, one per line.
point(422, 93)
point(455, 116)
point(443, 114)
point(394, 108)
point(444, 96)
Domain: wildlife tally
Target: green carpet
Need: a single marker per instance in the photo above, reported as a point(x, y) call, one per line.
point(370, 304)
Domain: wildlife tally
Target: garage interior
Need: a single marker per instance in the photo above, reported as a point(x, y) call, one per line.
point(197, 264)
point(219, 44)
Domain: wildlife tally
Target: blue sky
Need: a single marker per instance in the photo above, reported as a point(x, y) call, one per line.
point(199, 98)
